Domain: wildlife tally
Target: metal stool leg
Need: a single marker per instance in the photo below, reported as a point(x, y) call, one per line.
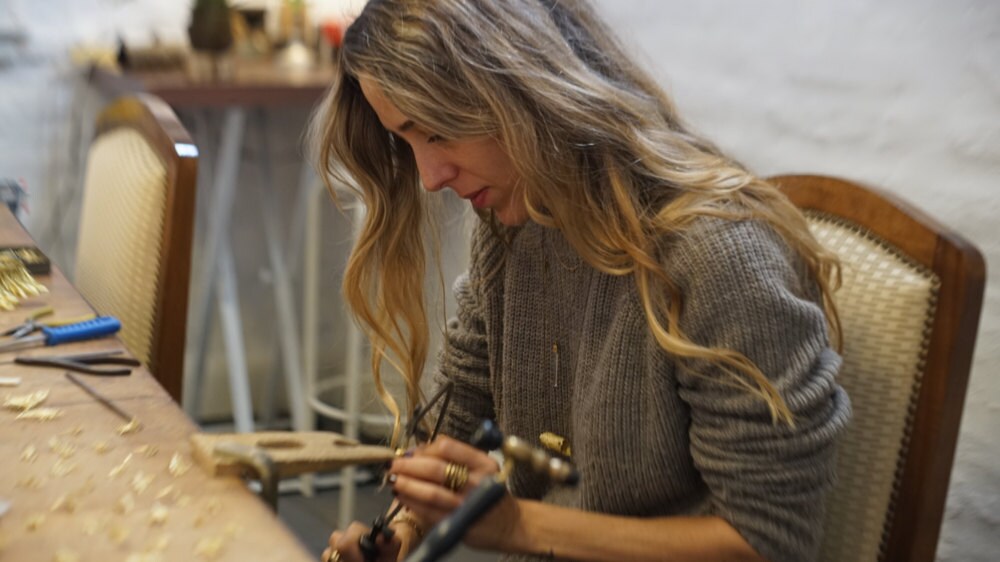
point(219, 270)
point(288, 333)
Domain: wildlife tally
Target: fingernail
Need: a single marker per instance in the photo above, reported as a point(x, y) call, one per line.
point(392, 479)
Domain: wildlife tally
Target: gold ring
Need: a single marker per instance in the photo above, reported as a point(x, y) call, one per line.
point(455, 476)
point(334, 556)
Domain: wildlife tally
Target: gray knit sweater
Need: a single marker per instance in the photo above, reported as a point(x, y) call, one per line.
point(649, 437)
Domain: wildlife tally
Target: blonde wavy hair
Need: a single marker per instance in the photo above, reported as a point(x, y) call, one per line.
point(599, 147)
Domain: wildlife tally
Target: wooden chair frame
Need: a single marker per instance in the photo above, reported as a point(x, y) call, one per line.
point(158, 123)
point(918, 506)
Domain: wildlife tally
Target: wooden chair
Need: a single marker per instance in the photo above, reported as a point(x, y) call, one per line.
point(910, 308)
point(134, 247)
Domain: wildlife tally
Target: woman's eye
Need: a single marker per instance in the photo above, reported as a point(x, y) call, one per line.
point(434, 138)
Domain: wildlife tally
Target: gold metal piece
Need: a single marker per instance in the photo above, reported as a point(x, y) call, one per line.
point(118, 469)
point(40, 414)
point(29, 453)
point(16, 284)
point(131, 426)
point(556, 443)
point(158, 514)
point(25, 402)
point(209, 548)
point(178, 465)
point(141, 481)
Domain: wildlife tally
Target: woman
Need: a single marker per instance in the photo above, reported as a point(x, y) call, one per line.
point(631, 290)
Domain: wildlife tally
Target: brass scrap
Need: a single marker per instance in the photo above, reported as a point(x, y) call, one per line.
point(141, 481)
point(66, 555)
point(147, 450)
point(118, 469)
point(118, 533)
point(61, 448)
point(34, 522)
point(178, 465)
point(210, 548)
point(158, 514)
point(125, 504)
point(167, 491)
point(25, 402)
point(144, 557)
point(62, 467)
point(32, 482)
point(40, 414)
point(132, 426)
point(29, 453)
point(65, 502)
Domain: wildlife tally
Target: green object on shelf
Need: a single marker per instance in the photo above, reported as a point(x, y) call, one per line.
point(210, 28)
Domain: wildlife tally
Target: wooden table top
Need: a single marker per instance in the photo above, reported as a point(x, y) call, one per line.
point(253, 83)
point(79, 490)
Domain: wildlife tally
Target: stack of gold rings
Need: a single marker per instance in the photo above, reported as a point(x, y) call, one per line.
point(455, 476)
point(334, 556)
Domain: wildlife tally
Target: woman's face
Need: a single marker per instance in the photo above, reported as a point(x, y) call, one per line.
point(477, 168)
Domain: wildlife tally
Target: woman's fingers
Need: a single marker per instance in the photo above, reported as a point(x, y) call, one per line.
point(429, 502)
point(436, 471)
point(347, 544)
point(429, 494)
point(453, 450)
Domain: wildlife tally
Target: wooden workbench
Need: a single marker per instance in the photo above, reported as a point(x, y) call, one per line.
point(74, 497)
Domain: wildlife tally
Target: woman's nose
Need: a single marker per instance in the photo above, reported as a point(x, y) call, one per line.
point(436, 171)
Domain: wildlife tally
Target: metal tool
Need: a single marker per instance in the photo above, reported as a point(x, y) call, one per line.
point(88, 363)
point(99, 397)
point(450, 530)
point(96, 328)
point(380, 526)
point(32, 324)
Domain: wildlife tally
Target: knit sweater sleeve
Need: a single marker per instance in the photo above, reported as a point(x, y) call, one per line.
point(464, 358)
point(744, 290)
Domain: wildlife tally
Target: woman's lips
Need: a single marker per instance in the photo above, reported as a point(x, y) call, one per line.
point(478, 199)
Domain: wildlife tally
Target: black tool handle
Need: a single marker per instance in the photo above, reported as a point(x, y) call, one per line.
point(370, 550)
point(82, 366)
point(450, 530)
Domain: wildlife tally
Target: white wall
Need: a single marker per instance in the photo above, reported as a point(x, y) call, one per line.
point(904, 94)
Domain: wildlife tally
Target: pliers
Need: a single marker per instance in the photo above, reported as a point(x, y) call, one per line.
point(31, 323)
point(413, 430)
point(88, 363)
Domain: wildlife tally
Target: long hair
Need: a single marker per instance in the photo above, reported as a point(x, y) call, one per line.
point(600, 150)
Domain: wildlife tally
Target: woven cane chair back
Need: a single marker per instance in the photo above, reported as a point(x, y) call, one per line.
point(910, 290)
point(134, 244)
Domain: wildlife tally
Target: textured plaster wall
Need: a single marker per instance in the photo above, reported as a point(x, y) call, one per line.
point(903, 94)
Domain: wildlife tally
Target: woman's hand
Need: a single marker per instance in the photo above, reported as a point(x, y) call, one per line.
point(423, 484)
point(345, 547)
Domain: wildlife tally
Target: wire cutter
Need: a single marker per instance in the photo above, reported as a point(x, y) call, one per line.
point(31, 324)
point(89, 363)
